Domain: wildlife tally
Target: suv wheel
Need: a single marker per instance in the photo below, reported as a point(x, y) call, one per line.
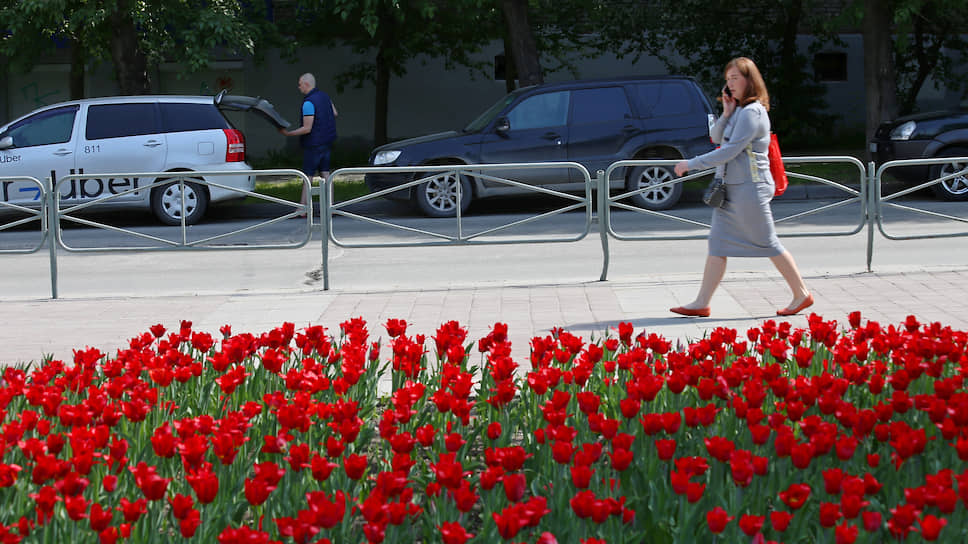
point(166, 203)
point(438, 196)
point(661, 198)
point(955, 188)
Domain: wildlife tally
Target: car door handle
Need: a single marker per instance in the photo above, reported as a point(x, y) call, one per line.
point(629, 129)
point(552, 136)
point(152, 143)
point(62, 152)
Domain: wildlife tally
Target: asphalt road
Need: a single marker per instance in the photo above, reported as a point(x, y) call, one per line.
point(831, 240)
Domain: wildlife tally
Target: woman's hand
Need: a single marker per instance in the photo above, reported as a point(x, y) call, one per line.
point(681, 168)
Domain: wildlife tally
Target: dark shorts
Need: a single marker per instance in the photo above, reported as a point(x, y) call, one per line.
point(316, 159)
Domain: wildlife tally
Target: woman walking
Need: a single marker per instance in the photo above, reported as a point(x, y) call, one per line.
point(743, 227)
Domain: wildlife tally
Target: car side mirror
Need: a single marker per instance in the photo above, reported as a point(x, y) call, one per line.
point(6, 142)
point(503, 125)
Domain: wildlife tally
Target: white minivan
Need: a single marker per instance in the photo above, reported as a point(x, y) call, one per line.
point(128, 134)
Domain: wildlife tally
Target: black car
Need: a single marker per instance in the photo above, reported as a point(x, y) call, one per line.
point(591, 122)
point(926, 136)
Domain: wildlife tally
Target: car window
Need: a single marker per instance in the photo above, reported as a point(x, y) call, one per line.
point(180, 117)
point(662, 98)
point(539, 111)
point(485, 118)
point(119, 120)
point(47, 127)
point(599, 105)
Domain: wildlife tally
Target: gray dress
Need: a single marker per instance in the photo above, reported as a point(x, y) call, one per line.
point(744, 226)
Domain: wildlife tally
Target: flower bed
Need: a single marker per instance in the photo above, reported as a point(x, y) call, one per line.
point(823, 434)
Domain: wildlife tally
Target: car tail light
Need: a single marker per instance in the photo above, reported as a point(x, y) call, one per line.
point(235, 145)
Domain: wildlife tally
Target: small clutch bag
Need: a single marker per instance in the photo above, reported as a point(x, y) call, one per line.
point(715, 194)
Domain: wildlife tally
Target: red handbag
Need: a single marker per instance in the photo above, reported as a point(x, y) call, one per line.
point(777, 170)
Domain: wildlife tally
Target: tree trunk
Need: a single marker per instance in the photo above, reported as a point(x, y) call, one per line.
point(510, 71)
point(523, 47)
point(879, 73)
point(382, 98)
point(130, 63)
point(77, 71)
point(4, 91)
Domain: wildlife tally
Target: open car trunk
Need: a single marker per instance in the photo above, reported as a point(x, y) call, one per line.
point(261, 106)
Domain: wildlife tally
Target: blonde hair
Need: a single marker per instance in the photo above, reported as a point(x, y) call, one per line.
point(756, 87)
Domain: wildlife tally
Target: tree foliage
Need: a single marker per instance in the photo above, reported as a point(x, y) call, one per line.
point(698, 38)
point(135, 35)
point(387, 35)
point(928, 40)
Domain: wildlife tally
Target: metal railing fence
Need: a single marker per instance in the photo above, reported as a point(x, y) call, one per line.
point(39, 214)
point(868, 197)
point(478, 171)
point(882, 201)
point(197, 178)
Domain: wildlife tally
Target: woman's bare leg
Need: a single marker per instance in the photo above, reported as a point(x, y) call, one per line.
point(711, 276)
point(787, 267)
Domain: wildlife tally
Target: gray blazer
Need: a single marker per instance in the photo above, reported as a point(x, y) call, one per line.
point(744, 139)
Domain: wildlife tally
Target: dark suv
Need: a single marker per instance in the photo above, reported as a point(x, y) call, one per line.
point(926, 136)
point(591, 122)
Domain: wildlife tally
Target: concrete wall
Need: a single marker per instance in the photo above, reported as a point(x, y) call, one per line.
point(428, 99)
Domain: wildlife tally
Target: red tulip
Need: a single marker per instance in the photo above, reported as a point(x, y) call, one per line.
point(931, 526)
point(132, 511)
point(694, 491)
point(795, 495)
point(621, 459)
point(514, 486)
point(180, 505)
point(751, 524)
point(328, 511)
point(449, 471)
point(204, 482)
point(76, 507)
point(257, 490)
point(354, 465)
point(494, 430)
point(665, 448)
point(464, 497)
point(780, 520)
point(845, 533)
point(508, 522)
point(717, 519)
point(189, 524)
point(452, 532)
point(581, 475)
point(719, 448)
point(829, 514)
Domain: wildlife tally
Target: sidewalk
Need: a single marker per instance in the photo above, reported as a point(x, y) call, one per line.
point(32, 328)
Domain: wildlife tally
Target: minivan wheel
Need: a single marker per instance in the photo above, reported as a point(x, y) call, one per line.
point(166, 203)
point(438, 196)
point(955, 188)
point(661, 198)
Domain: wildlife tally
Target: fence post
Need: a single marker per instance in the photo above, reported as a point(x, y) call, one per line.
point(873, 197)
point(324, 217)
point(603, 209)
point(50, 199)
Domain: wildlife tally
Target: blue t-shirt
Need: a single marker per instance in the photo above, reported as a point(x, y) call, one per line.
point(308, 108)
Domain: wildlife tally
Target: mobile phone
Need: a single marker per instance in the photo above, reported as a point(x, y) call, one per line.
point(726, 91)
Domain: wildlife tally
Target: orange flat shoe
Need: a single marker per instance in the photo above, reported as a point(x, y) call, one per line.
point(691, 312)
point(807, 302)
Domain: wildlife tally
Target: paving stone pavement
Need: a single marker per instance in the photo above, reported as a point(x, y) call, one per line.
point(32, 328)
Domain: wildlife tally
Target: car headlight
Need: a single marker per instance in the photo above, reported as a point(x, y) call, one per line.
point(386, 157)
point(903, 131)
